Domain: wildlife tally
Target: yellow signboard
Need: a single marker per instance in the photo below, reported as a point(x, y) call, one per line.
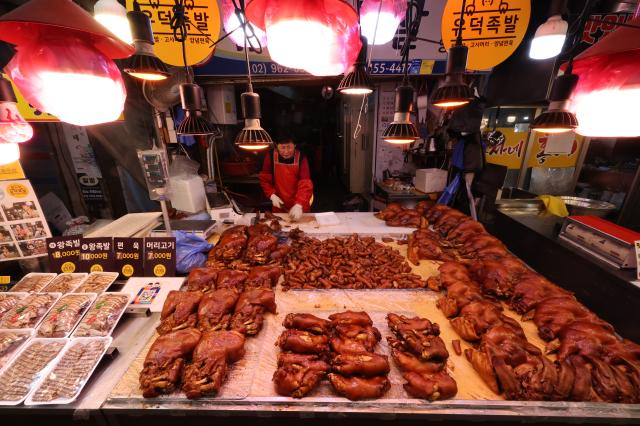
point(558, 150)
point(11, 171)
point(28, 112)
point(509, 151)
point(491, 29)
point(204, 16)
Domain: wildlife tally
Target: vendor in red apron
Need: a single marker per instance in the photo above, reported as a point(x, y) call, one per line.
point(285, 179)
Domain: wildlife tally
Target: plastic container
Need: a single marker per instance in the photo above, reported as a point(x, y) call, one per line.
point(65, 315)
point(187, 194)
point(65, 283)
point(9, 300)
point(28, 368)
point(97, 282)
point(29, 311)
point(103, 316)
point(430, 180)
point(10, 343)
point(70, 372)
point(33, 282)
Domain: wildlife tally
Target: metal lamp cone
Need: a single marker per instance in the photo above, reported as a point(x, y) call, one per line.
point(357, 81)
point(455, 92)
point(144, 64)
point(252, 137)
point(558, 118)
point(402, 131)
point(194, 124)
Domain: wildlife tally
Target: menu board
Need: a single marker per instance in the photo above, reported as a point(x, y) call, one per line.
point(64, 253)
point(23, 227)
point(160, 257)
point(96, 254)
point(129, 256)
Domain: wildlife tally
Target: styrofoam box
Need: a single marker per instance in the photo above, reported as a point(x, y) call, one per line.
point(430, 180)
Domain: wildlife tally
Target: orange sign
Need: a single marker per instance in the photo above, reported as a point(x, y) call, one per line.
point(204, 16)
point(18, 190)
point(509, 151)
point(491, 29)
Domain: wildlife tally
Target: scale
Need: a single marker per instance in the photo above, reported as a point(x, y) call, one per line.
point(599, 238)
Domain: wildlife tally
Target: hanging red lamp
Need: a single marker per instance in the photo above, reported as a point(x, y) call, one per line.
point(379, 19)
point(64, 61)
point(13, 127)
point(321, 37)
point(607, 95)
point(232, 24)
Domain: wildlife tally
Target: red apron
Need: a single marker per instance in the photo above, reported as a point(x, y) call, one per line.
point(285, 182)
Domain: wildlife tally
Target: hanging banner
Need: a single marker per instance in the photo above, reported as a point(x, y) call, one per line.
point(559, 150)
point(204, 16)
point(491, 29)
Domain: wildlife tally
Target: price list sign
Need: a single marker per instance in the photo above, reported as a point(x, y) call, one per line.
point(96, 255)
point(129, 256)
point(64, 254)
point(160, 257)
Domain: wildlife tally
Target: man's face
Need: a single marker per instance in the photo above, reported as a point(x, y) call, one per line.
point(286, 150)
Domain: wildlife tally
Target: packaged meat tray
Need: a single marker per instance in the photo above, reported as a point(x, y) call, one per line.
point(103, 315)
point(97, 282)
point(65, 283)
point(32, 364)
point(70, 372)
point(33, 282)
point(10, 343)
point(28, 312)
point(9, 300)
point(65, 315)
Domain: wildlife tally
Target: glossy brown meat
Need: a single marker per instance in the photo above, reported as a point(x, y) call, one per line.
point(259, 248)
point(433, 387)
point(402, 324)
point(266, 276)
point(530, 290)
point(343, 345)
point(459, 294)
point(165, 361)
point(230, 278)
point(179, 311)
point(554, 313)
point(207, 371)
point(586, 339)
point(229, 247)
point(248, 316)
point(450, 273)
point(423, 206)
point(498, 277)
point(307, 322)
point(281, 251)
point(390, 211)
point(426, 249)
point(436, 211)
point(358, 388)
point(426, 347)
point(363, 364)
point(258, 229)
point(465, 231)
point(476, 318)
point(351, 318)
point(297, 375)
point(303, 342)
point(368, 336)
point(216, 308)
point(449, 220)
point(202, 279)
point(409, 219)
point(406, 361)
point(479, 242)
point(236, 229)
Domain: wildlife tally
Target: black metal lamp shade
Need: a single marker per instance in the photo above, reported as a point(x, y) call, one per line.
point(454, 92)
point(402, 131)
point(357, 81)
point(252, 137)
point(558, 118)
point(194, 123)
point(143, 64)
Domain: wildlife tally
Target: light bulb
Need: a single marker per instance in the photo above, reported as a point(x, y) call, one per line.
point(549, 38)
point(387, 27)
point(113, 16)
point(9, 153)
point(608, 112)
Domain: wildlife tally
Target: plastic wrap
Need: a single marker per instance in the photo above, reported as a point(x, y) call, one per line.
point(103, 315)
point(65, 283)
point(10, 343)
point(70, 372)
point(9, 300)
point(97, 282)
point(29, 311)
point(33, 282)
point(27, 369)
point(65, 315)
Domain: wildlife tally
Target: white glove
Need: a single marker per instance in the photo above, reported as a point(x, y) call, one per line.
point(276, 201)
point(295, 213)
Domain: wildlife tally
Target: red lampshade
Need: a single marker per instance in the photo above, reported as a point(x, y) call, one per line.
point(13, 128)
point(319, 36)
point(63, 63)
point(380, 22)
point(607, 95)
point(232, 24)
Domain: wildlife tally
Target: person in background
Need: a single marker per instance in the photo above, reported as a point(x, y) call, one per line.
point(285, 178)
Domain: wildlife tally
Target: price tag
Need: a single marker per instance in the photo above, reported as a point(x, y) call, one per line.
point(96, 255)
point(64, 254)
point(638, 259)
point(129, 256)
point(160, 257)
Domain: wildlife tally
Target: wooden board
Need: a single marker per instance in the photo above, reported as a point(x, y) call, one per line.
point(260, 363)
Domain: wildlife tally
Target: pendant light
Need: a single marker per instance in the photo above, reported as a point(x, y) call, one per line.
point(144, 64)
point(13, 128)
point(63, 65)
point(252, 137)
point(113, 16)
point(379, 19)
point(551, 35)
point(402, 131)
point(357, 81)
point(319, 36)
point(9, 153)
point(455, 92)
point(557, 118)
point(232, 22)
